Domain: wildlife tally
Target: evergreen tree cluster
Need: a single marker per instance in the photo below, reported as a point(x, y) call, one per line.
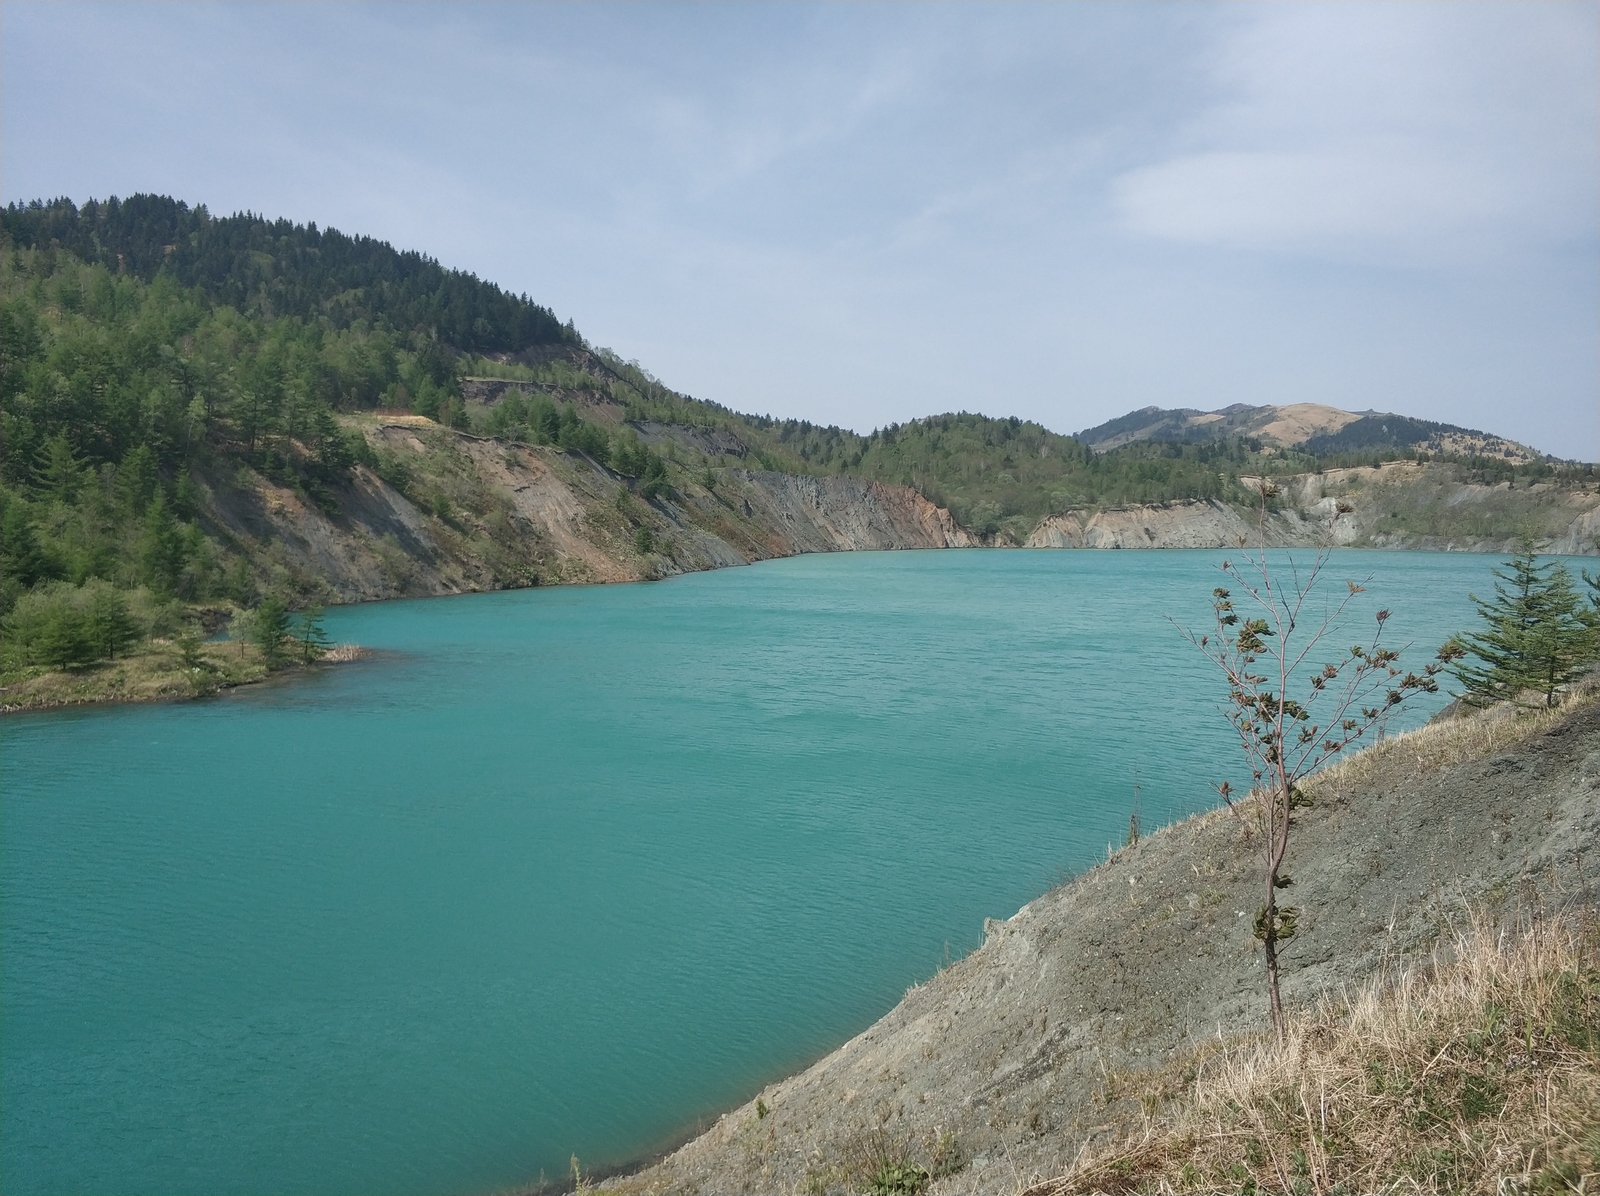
point(1382, 432)
point(1539, 633)
point(123, 398)
point(276, 268)
point(537, 419)
point(989, 470)
point(116, 394)
point(62, 625)
point(586, 375)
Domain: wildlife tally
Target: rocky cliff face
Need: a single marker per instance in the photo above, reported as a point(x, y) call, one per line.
point(1170, 525)
point(1003, 1066)
point(1399, 505)
point(830, 514)
point(446, 512)
point(1408, 505)
point(459, 513)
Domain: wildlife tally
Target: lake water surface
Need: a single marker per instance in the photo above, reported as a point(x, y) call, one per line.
point(565, 869)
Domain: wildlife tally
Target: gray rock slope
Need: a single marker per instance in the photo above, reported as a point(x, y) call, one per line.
point(512, 515)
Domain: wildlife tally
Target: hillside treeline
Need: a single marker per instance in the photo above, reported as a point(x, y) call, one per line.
point(112, 390)
point(117, 396)
point(279, 268)
point(121, 399)
point(1005, 473)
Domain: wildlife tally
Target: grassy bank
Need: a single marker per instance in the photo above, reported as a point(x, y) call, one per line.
point(1476, 1069)
point(156, 671)
point(1477, 1072)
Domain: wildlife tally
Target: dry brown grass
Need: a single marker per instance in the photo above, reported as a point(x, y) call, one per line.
point(403, 419)
point(1479, 1072)
point(1296, 422)
point(153, 672)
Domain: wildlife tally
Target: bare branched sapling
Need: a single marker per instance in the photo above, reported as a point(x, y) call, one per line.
point(1263, 651)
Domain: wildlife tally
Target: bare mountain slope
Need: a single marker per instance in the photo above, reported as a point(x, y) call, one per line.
point(1313, 427)
point(1282, 426)
point(447, 512)
point(1401, 504)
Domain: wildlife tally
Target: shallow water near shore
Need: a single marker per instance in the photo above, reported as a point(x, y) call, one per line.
point(560, 871)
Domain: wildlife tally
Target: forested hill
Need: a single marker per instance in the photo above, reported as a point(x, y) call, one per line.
point(279, 268)
point(169, 380)
point(350, 323)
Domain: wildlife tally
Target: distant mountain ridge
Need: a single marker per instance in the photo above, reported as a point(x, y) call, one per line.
point(1309, 427)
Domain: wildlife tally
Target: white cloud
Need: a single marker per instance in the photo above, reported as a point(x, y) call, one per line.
point(1431, 132)
point(1342, 196)
point(865, 213)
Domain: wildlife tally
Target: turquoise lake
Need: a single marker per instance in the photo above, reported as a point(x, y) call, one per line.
point(561, 871)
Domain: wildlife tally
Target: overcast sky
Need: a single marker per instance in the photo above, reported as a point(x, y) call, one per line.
point(862, 214)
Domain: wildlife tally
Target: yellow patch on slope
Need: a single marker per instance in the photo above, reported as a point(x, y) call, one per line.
point(1301, 421)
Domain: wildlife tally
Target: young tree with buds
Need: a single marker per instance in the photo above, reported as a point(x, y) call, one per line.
point(1291, 714)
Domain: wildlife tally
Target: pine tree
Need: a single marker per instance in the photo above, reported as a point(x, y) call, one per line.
point(1539, 635)
point(64, 639)
point(57, 471)
point(137, 479)
point(189, 649)
point(270, 627)
point(333, 450)
point(308, 633)
point(161, 549)
point(110, 626)
point(22, 560)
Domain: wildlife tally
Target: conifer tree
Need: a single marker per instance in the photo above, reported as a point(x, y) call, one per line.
point(57, 471)
point(270, 627)
point(161, 548)
point(137, 480)
point(189, 649)
point(110, 626)
point(1538, 634)
point(22, 560)
point(64, 638)
point(310, 636)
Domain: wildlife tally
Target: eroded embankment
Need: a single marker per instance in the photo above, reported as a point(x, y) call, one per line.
point(999, 1061)
point(448, 513)
point(1402, 504)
